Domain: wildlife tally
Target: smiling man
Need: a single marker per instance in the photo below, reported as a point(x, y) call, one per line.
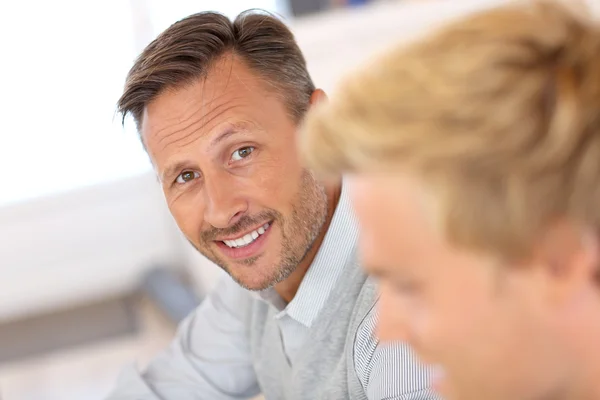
point(474, 167)
point(217, 104)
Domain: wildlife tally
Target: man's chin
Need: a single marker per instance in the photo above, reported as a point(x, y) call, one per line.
point(257, 277)
point(253, 284)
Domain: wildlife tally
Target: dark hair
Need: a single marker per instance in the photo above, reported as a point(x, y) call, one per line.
point(188, 48)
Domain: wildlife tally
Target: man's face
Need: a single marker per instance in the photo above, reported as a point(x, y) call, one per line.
point(224, 149)
point(486, 327)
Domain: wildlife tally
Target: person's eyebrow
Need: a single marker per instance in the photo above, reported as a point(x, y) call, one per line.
point(229, 131)
point(173, 169)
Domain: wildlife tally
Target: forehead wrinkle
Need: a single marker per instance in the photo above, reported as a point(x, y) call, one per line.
point(239, 127)
point(193, 117)
point(158, 132)
point(235, 126)
point(195, 111)
point(205, 120)
point(197, 121)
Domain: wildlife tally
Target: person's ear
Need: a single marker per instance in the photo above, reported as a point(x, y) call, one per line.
point(569, 257)
point(317, 97)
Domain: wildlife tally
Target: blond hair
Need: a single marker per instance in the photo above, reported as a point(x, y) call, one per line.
point(498, 112)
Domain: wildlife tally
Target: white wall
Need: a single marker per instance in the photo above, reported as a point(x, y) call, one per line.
point(336, 43)
point(97, 241)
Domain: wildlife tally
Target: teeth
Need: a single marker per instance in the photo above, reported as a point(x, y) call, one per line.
point(248, 238)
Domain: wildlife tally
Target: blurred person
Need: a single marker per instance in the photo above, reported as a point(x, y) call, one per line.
point(473, 162)
point(217, 105)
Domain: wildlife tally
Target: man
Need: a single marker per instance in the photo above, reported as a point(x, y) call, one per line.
point(217, 104)
point(474, 167)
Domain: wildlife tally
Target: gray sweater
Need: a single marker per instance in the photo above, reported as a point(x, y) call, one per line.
point(326, 367)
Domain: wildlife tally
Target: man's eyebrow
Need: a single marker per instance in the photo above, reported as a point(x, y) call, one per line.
point(173, 169)
point(231, 130)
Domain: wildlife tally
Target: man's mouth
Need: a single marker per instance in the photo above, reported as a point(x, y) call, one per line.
point(248, 238)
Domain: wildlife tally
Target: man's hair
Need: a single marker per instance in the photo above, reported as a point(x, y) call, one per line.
point(499, 113)
point(187, 50)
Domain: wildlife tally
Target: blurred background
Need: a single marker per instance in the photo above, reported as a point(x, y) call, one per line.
point(93, 272)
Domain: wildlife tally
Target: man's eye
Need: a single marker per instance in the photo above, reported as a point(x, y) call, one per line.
point(242, 153)
point(187, 176)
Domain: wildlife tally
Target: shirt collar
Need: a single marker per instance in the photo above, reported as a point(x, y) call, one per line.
point(336, 251)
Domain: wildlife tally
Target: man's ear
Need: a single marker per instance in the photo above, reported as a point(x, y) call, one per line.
point(317, 97)
point(570, 257)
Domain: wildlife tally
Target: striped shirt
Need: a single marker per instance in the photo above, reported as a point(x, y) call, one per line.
point(210, 354)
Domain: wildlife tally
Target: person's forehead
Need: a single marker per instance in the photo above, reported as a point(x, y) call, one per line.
point(395, 192)
point(391, 214)
point(228, 87)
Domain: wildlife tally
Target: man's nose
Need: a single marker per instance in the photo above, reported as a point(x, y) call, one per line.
point(224, 205)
